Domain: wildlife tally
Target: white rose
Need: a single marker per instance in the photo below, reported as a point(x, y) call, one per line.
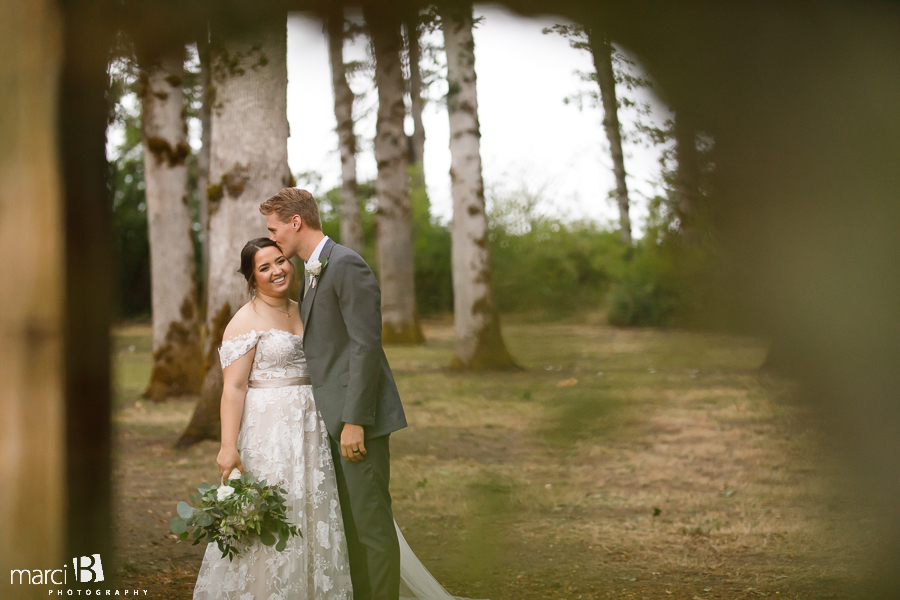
point(314, 268)
point(223, 492)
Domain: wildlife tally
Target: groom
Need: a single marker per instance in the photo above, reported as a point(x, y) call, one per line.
point(352, 385)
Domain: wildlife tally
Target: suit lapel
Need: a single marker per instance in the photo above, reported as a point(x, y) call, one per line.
point(310, 295)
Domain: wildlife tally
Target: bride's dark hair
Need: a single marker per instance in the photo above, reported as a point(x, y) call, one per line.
point(248, 257)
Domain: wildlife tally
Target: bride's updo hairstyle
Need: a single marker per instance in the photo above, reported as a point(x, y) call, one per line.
point(248, 260)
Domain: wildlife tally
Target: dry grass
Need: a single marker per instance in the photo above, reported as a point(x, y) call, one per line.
point(668, 470)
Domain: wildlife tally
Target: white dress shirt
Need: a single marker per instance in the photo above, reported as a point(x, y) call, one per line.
point(314, 256)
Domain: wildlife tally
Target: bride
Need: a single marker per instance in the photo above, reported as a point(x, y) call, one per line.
point(271, 428)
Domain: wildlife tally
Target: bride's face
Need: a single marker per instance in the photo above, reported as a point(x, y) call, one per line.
point(273, 272)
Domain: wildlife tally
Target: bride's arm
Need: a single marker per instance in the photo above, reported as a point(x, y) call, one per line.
point(234, 391)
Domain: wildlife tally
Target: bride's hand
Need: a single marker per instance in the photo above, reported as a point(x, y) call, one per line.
point(228, 460)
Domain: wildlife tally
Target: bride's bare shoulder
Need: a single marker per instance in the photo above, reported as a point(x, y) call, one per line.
point(245, 320)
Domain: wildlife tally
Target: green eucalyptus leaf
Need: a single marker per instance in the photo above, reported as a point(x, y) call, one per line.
point(267, 538)
point(183, 536)
point(184, 510)
point(282, 544)
point(178, 525)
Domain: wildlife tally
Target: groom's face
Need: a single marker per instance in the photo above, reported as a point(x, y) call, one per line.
point(283, 234)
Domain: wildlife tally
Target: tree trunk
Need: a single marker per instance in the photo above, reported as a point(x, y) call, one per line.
point(479, 343)
point(351, 221)
point(32, 409)
point(687, 176)
point(88, 284)
point(248, 163)
point(602, 49)
point(400, 323)
point(417, 154)
point(203, 165)
point(177, 357)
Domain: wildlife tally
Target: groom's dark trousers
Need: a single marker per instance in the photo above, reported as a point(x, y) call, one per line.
point(368, 521)
point(352, 383)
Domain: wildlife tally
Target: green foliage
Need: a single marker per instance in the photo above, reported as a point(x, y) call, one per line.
point(251, 509)
point(431, 244)
point(647, 292)
point(126, 183)
point(546, 264)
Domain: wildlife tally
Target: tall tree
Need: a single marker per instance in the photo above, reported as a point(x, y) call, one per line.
point(602, 51)
point(479, 343)
point(412, 26)
point(400, 323)
point(203, 158)
point(351, 220)
point(177, 357)
point(248, 162)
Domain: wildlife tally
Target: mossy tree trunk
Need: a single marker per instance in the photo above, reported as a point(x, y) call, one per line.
point(393, 217)
point(351, 220)
point(32, 400)
point(602, 49)
point(248, 163)
point(479, 343)
point(177, 357)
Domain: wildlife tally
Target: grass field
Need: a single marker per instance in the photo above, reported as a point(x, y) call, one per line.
point(617, 464)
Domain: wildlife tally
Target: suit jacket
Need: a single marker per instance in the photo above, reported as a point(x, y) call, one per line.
point(352, 381)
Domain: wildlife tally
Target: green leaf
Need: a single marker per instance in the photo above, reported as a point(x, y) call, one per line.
point(185, 511)
point(178, 525)
point(282, 544)
point(267, 538)
point(205, 520)
point(183, 535)
point(203, 488)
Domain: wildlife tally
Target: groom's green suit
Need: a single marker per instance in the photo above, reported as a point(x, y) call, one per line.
point(352, 383)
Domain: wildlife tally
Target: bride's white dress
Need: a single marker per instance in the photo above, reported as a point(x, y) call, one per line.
point(283, 439)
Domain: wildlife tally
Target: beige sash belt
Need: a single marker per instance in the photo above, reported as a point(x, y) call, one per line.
point(277, 383)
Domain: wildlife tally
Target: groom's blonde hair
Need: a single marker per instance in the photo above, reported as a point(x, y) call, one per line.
point(293, 201)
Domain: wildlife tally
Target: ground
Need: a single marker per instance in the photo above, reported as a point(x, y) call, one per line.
point(616, 464)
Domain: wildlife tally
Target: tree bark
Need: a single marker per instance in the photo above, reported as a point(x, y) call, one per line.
point(203, 164)
point(479, 343)
point(351, 221)
point(393, 222)
point(177, 357)
point(601, 49)
point(417, 154)
point(32, 409)
point(248, 163)
point(687, 176)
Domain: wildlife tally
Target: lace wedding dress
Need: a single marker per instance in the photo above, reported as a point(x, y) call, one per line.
point(283, 440)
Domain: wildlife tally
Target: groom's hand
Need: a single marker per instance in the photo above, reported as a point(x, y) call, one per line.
point(352, 442)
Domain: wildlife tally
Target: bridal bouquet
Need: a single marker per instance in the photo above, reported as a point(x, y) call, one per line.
point(235, 515)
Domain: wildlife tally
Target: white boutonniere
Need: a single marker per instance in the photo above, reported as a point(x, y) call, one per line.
point(315, 269)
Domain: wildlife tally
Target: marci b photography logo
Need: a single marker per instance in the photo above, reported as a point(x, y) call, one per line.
point(87, 569)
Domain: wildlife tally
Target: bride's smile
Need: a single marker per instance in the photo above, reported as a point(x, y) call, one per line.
point(273, 272)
